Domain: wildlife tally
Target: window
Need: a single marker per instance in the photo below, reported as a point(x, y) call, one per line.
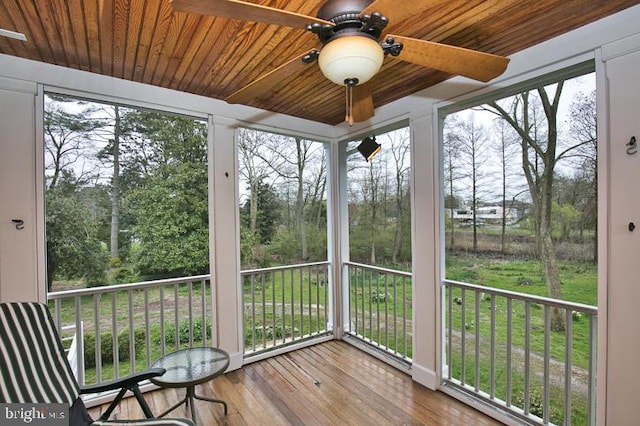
point(379, 202)
point(283, 207)
point(126, 193)
point(524, 167)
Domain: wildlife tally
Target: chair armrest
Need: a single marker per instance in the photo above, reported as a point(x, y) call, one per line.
point(124, 382)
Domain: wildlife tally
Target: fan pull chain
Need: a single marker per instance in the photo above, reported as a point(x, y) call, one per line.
point(349, 84)
point(349, 105)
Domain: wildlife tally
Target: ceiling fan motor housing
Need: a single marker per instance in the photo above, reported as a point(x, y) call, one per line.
point(345, 14)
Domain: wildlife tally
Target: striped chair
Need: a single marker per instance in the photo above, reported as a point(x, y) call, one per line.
point(34, 369)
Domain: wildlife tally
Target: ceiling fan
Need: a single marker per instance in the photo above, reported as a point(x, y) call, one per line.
point(352, 54)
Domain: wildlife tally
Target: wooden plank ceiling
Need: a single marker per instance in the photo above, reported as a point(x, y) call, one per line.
point(146, 41)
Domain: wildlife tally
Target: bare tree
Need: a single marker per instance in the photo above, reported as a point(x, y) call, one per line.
point(115, 185)
point(540, 154)
point(291, 159)
point(474, 156)
point(69, 143)
point(398, 147)
point(506, 156)
point(371, 193)
point(451, 153)
point(584, 131)
point(253, 169)
point(316, 191)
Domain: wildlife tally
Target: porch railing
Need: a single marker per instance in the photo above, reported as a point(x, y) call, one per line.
point(126, 327)
point(380, 308)
point(532, 356)
point(284, 305)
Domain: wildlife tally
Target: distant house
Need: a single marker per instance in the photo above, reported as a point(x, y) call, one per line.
point(494, 214)
point(489, 214)
point(461, 214)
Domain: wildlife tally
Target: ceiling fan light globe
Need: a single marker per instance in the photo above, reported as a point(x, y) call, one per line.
point(351, 57)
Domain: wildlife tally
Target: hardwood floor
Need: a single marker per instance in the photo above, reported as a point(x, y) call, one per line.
point(331, 383)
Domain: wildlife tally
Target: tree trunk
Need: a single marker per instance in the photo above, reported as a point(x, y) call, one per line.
point(253, 207)
point(300, 222)
point(451, 233)
point(474, 201)
point(540, 182)
point(115, 187)
point(397, 237)
point(372, 259)
point(548, 260)
point(503, 230)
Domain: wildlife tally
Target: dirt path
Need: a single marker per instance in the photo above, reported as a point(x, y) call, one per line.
point(579, 375)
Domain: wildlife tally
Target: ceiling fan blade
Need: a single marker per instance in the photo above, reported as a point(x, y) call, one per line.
point(362, 108)
point(398, 13)
point(270, 80)
point(452, 59)
point(236, 9)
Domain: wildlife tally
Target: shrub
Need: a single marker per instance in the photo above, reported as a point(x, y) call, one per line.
point(380, 297)
point(522, 280)
point(536, 405)
point(122, 274)
point(106, 347)
point(183, 332)
point(268, 332)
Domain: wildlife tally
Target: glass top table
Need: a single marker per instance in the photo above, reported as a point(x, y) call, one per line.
point(189, 367)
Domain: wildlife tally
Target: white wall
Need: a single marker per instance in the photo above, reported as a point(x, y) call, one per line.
point(18, 253)
point(620, 199)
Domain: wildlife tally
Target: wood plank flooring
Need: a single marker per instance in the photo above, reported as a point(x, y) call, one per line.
point(331, 383)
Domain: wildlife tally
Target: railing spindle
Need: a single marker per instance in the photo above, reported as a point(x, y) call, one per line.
point(147, 330)
point(263, 313)
point(203, 311)
point(527, 358)
point(404, 316)
point(132, 345)
point(190, 308)
point(463, 331)
point(568, 365)
point(509, 347)
point(492, 349)
point(284, 304)
point(593, 338)
point(377, 309)
point(163, 337)
point(395, 313)
point(301, 297)
point(547, 362)
point(309, 293)
point(114, 339)
point(273, 309)
point(96, 322)
point(449, 332)
point(477, 342)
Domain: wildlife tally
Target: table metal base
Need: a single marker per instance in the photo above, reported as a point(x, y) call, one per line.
point(188, 402)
